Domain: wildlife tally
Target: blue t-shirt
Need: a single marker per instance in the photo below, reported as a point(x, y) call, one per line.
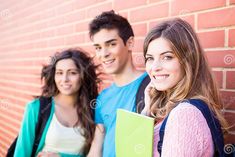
point(108, 101)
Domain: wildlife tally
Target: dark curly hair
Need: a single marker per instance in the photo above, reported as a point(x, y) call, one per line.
point(86, 94)
point(110, 20)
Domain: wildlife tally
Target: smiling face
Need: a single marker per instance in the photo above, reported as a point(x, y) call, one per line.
point(67, 77)
point(113, 54)
point(162, 65)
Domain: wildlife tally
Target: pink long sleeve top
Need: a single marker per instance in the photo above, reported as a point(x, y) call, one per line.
point(186, 134)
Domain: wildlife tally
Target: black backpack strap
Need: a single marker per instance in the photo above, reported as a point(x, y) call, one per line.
point(214, 125)
point(139, 100)
point(161, 134)
point(212, 122)
point(11, 149)
point(43, 115)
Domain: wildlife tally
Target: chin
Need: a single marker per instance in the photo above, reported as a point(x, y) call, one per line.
point(159, 88)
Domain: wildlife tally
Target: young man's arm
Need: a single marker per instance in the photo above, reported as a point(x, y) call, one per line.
point(97, 143)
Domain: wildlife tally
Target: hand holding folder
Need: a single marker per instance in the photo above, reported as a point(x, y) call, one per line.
point(134, 134)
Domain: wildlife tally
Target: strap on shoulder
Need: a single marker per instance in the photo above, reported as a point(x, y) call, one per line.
point(43, 115)
point(139, 101)
point(214, 125)
point(212, 122)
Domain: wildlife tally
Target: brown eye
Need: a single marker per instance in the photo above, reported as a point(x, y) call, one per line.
point(148, 59)
point(59, 73)
point(97, 48)
point(167, 58)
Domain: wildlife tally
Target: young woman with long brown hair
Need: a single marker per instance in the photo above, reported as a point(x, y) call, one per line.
point(71, 81)
point(180, 76)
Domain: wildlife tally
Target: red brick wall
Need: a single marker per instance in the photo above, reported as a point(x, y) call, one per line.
point(31, 30)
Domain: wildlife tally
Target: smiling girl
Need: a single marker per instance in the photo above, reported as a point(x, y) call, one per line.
point(181, 83)
point(71, 81)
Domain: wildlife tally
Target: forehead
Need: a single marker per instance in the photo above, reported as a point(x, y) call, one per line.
point(66, 64)
point(159, 45)
point(105, 35)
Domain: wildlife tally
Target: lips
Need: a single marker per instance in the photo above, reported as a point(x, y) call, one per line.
point(160, 77)
point(66, 86)
point(109, 61)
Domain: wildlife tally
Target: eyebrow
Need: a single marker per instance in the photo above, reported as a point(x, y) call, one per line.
point(161, 53)
point(66, 69)
point(106, 42)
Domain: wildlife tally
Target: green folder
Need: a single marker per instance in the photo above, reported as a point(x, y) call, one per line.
point(134, 134)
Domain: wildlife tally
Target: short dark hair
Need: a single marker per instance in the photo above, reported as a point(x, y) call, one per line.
point(111, 20)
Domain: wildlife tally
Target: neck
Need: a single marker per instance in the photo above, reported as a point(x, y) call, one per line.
point(126, 76)
point(65, 100)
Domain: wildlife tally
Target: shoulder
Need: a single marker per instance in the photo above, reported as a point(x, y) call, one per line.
point(187, 127)
point(106, 91)
point(186, 115)
point(32, 107)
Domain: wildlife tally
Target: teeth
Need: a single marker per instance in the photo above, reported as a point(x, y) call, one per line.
point(160, 77)
point(66, 86)
point(108, 62)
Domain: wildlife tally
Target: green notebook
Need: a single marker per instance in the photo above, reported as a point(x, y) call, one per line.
point(134, 134)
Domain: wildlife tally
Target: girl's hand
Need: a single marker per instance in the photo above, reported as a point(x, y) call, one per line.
point(147, 100)
point(48, 154)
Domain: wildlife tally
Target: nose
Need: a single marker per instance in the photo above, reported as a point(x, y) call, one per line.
point(65, 77)
point(104, 53)
point(156, 66)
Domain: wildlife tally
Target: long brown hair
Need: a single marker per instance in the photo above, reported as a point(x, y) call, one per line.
point(197, 81)
point(87, 93)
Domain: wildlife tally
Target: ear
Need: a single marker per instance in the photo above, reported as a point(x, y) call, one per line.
point(130, 43)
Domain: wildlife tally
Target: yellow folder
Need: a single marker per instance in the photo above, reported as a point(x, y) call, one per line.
point(133, 134)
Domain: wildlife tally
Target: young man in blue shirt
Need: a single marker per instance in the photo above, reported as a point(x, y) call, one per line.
point(113, 39)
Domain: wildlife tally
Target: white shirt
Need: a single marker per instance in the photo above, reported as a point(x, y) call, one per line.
point(63, 139)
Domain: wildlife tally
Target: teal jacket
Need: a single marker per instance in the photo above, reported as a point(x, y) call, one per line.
point(26, 135)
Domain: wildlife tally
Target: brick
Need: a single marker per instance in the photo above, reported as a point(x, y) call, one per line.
point(65, 30)
point(22, 78)
point(40, 44)
point(55, 22)
point(212, 39)
point(86, 3)
point(185, 6)
point(140, 29)
point(124, 4)
point(231, 120)
point(88, 48)
point(138, 46)
point(232, 1)
point(149, 12)
point(123, 14)
point(9, 120)
point(82, 26)
point(154, 1)
point(50, 13)
point(218, 18)
point(74, 39)
point(228, 99)
point(218, 75)
point(222, 58)
point(189, 19)
point(231, 38)
point(74, 17)
point(138, 60)
point(230, 79)
point(64, 9)
point(96, 10)
point(48, 33)
point(56, 42)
